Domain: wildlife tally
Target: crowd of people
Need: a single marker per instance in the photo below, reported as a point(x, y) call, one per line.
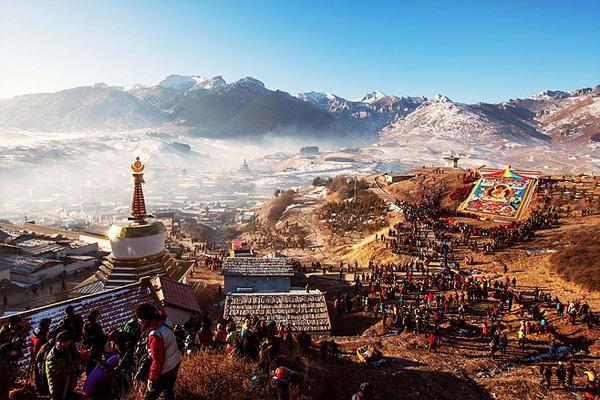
point(76, 357)
point(415, 296)
point(144, 349)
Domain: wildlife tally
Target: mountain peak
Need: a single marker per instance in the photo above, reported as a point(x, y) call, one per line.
point(183, 83)
point(546, 94)
point(316, 97)
point(372, 97)
point(250, 82)
point(206, 83)
point(439, 98)
point(178, 82)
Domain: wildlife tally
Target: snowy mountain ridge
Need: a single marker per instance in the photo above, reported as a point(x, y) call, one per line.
point(213, 107)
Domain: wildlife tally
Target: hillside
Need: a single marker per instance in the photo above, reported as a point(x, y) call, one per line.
point(455, 121)
point(87, 107)
point(577, 122)
point(557, 259)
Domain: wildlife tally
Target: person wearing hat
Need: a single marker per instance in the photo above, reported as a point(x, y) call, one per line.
point(13, 331)
point(62, 367)
point(93, 339)
point(9, 355)
point(104, 380)
point(365, 392)
point(163, 352)
point(281, 376)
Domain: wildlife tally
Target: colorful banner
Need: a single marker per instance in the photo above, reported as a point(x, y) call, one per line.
point(503, 194)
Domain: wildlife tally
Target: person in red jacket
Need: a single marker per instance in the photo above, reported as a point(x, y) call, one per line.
point(39, 337)
point(431, 341)
point(163, 352)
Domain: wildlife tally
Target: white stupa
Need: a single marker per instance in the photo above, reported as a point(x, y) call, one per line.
point(137, 246)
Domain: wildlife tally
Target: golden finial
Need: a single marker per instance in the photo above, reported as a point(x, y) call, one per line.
point(137, 166)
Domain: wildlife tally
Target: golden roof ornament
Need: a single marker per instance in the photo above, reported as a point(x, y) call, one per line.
point(138, 205)
point(137, 166)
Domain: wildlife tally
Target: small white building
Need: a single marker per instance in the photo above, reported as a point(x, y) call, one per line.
point(394, 178)
point(451, 160)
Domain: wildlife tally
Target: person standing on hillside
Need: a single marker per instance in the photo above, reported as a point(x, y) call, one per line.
point(365, 392)
point(561, 374)
point(548, 377)
point(62, 368)
point(570, 373)
point(431, 342)
point(163, 351)
point(38, 338)
point(93, 339)
point(72, 323)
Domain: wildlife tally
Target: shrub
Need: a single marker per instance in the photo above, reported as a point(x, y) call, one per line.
point(279, 204)
point(212, 375)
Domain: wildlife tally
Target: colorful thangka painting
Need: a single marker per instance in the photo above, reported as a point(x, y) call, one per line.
point(503, 194)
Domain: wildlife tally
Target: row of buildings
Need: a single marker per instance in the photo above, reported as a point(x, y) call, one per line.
point(27, 257)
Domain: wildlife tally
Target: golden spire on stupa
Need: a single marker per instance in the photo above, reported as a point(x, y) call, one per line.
point(138, 205)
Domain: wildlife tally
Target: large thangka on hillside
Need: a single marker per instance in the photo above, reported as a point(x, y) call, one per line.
point(501, 194)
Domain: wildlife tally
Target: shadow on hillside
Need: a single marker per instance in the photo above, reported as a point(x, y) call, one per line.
point(351, 323)
point(394, 378)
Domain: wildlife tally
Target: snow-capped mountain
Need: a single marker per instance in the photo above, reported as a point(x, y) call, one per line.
point(369, 115)
point(373, 97)
point(577, 121)
point(247, 108)
point(548, 116)
point(441, 117)
point(182, 83)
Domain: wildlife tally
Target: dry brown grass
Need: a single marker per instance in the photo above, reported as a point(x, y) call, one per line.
point(279, 205)
point(211, 375)
point(443, 187)
point(578, 258)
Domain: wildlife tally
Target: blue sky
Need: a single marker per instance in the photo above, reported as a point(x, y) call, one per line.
point(468, 50)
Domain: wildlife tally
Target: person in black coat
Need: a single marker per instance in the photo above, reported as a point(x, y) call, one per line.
point(93, 338)
point(561, 374)
point(9, 355)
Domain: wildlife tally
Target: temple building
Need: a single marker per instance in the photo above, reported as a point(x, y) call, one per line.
point(451, 160)
point(262, 287)
point(253, 274)
point(137, 246)
point(245, 170)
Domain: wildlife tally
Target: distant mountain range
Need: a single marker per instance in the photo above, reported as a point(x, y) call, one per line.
point(550, 116)
point(212, 107)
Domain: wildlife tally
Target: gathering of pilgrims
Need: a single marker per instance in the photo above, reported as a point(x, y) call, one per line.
point(428, 296)
point(146, 350)
point(420, 295)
